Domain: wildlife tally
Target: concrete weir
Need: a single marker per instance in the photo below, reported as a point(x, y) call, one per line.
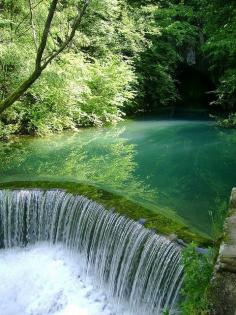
point(224, 281)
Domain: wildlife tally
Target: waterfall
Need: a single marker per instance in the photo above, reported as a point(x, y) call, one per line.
point(135, 266)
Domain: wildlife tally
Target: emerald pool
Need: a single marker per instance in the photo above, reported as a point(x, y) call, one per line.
point(181, 168)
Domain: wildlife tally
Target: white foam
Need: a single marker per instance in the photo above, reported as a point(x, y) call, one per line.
point(43, 280)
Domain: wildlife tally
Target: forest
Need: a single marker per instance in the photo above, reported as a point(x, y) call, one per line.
point(117, 157)
point(126, 57)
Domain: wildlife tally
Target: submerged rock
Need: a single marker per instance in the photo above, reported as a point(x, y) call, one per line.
point(202, 251)
point(142, 221)
point(173, 237)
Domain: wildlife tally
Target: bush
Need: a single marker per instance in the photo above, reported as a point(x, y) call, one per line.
point(229, 122)
point(6, 130)
point(89, 84)
point(72, 93)
point(198, 273)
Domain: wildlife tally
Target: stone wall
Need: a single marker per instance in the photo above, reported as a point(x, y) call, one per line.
point(224, 281)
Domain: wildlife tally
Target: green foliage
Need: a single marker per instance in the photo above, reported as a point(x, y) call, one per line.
point(7, 130)
point(229, 122)
point(198, 270)
point(89, 85)
point(226, 90)
point(220, 48)
point(218, 218)
point(74, 93)
point(125, 58)
point(13, 67)
point(169, 30)
point(101, 89)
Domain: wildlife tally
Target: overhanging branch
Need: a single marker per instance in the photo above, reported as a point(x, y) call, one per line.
point(65, 44)
point(39, 66)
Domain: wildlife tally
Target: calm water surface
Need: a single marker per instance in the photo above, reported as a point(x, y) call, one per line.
point(182, 168)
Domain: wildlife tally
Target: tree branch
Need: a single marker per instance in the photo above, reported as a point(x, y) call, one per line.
point(39, 67)
point(74, 27)
point(42, 46)
point(26, 16)
point(32, 25)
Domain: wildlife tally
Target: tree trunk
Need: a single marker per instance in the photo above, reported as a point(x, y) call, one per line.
point(20, 91)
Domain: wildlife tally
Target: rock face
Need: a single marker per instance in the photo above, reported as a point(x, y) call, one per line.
point(224, 281)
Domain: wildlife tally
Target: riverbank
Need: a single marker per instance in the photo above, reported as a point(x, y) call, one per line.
point(223, 290)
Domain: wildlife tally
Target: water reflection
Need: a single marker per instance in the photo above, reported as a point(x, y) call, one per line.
point(101, 156)
point(182, 167)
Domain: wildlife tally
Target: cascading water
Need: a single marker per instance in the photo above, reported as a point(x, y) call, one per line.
point(136, 267)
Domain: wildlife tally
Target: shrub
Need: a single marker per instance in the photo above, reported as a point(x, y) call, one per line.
point(74, 92)
point(229, 122)
point(198, 272)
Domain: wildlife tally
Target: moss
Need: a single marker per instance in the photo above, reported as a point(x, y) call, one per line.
point(157, 221)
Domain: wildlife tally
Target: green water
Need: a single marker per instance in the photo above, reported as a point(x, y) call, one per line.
point(184, 169)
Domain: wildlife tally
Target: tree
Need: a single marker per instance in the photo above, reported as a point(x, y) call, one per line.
point(42, 62)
